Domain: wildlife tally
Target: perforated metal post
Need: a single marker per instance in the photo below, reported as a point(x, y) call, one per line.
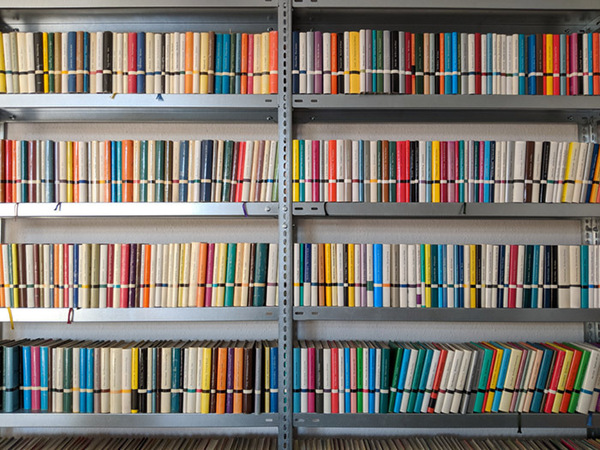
point(590, 235)
point(284, 97)
point(587, 130)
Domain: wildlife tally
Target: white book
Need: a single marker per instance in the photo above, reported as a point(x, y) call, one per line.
point(153, 300)
point(157, 255)
point(520, 276)
point(551, 182)
point(8, 67)
point(459, 387)
point(248, 158)
point(302, 64)
point(464, 64)
point(537, 168)
point(159, 74)
point(412, 361)
point(519, 172)
point(404, 268)
point(126, 383)
point(373, 171)
point(272, 274)
point(310, 62)
point(467, 276)
point(564, 280)
point(194, 187)
point(326, 378)
point(93, 61)
point(493, 286)
point(271, 194)
point(356, 187)
point(579, 171)
point(452, 379)
point(449, 286)
point(499, 171)
point(117, 64)
point(484, 66)
point(533, 358)
point(150, 55)
point(198, 398)
point(410, 260)
point(401, 60)
point(516, 74)
point(561, 164)
point(303, 378)
point(30, 63)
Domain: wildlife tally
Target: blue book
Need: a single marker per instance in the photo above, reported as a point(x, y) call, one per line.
point(296, 380)
point(372, 368)
point(423, 380)
point(175, 378)
point(184, 149)
point(141, 62)
point(86, 61)
point(219, 63)
point(585, 286)
point(435, 274)
point(361, 171)
point(71, 61)
point(377, 275)
point(522, 65)
point(447, 63)
point(490, 64)
point(501, 376)
point(144, 171)
point(44, 384)
point(274, 393)
point(83, 366)
point(455, 68)
point(75, 275)
point(295, 62)
point(590, 57)
point(119, 172)
point(89, 402)
point(49, 171)
point(442, 279)
point(535, 277)
point(590, 177)
point(238, 63)
point(563, 64)
point(347, 377)
point(226, 63)
point(402, 379)
point(428, 171)
point(302, 166)
point(531, 78)
point(543, 374)
point(26, 376)
point(206, 163)
point(487, 172)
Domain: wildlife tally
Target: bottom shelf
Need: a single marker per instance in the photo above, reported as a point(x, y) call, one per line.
point(51, 420)
point(495, 420)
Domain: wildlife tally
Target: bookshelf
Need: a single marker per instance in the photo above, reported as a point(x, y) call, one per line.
point(287, 111)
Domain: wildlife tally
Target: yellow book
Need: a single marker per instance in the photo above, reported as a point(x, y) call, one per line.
point(334, 276)
point(69, 171)
point(568, 175)
point(327, 274)
point(435, 172)
point(204, 39)
point(427, 257)
point(562, 381)
point(548, 78)
point(238, 277)
point(354, 62)
point(45, 58)
point(494, 379)
point(206, 369)
point(351, 299)
point(15, 269)
point(264, 67)
point(134, 377)
point(267, 379)
point(2, 66)
point(221, 274)
point(184, 275)
point(295, 171)
point(473, 282)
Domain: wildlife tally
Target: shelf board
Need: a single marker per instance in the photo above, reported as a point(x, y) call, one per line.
point(102, 315)
point(529, 5)
point(448, 210)
point(144, 4)
point(95, 210)
point(138, 107)
point(57, 420)
point(444, 108)
point(494, 420)
point(308, 313)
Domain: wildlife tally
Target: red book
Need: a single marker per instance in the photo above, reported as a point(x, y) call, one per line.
point(66, 287)
point(273, 61)
point(123, 301)
point(335, 374)
point(556, 64)
point(110, 260)
point(596, 62)
point(437, 379)
point(444, 171)
point(478, 63)
point(32, 171)
point(334, 63)
point(556, 371)
point(332, 175)
point(240, 172)
point(408, 62)
point(311, 379)
point(316, 170)
point(8, 171)
point(132, 63)
point(512, 276)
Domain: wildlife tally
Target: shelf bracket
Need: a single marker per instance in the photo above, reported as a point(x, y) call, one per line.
point(591, 231)
point(592, 332)
point(587, 130)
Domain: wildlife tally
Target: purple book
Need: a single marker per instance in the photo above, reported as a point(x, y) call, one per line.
point(132, 286)
point(318, 51)
point(317, 183)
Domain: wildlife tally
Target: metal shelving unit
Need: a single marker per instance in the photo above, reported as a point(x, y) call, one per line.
point(98, 421)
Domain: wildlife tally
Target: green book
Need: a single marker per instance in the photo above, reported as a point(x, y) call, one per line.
point(230, 274)
point(260, 274)
point(143, 171)
point(359, 379)
point(583, 364)
point(68, 380)
point(159, 186)
point(384, 384)
point(414, 388)
point(379, 61)
point(483, 377)
point(397, 352)
point(227, 165)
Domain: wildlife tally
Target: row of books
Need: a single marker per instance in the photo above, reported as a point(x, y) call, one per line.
point(138, 377)
point(447, 275)
point(196, 274)
point(138, 443)
point(189, 62)
point(377, 377)
point(138, 171)
point(397, 62)
point(441, 442)
point(445, 171)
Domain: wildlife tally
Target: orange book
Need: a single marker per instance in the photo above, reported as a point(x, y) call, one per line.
point(442, 63)
point(334, 63)
point(596, 62)
point(273, 61)
point(201, 287)
point(238, 379)
point(146, 283)
point(189, 62)
point(332, 175)
point(244, 64)
point(127, 171)
point(76, 172)
point(221, 379)
point(106, 177)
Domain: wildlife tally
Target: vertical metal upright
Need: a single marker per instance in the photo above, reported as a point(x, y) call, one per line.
point(284, 112)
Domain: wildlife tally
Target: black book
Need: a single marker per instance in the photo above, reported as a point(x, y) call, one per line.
point(340, 44)
point(395, 63)
point(107, 42)
point(414, 172)
point(544, 171)
point(319, 377)
point(39, 62)
point(142, 380)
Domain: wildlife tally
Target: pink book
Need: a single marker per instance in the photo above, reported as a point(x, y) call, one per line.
point(451, 173)
point(353, 389)
point(335, 374)
point(35, 379)
point(363, 275)
point(456, 170)
point(124, 299)
point(512, 277)
point(481, 178)
point(250, 89)
point(316, 170)
point(210, 255)
point(311, 380)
